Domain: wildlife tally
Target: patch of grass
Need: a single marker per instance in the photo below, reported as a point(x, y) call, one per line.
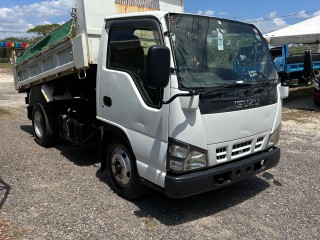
point(5, 65)
point(150, 223)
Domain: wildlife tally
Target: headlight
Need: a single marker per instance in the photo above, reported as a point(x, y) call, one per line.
point(274, 137)
point(183, 157)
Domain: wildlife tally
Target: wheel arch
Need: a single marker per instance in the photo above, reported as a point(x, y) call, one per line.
point(36, 96)
point(109, 133)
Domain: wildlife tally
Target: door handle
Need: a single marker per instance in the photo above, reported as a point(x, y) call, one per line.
point(107, 101)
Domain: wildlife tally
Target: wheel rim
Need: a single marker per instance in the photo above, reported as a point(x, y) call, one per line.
point(38, 124)
point(121, 167)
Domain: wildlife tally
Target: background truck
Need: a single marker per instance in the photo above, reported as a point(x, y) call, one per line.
point(178, 102)
point(296, 63)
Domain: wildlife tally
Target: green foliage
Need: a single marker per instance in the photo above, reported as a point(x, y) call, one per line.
point(43, 30)
point(298, 49)
point(17, 39)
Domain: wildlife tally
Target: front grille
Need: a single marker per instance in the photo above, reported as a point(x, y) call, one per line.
point(221, 153)
point(241, 148)
point(259, 143)
point(232, 150)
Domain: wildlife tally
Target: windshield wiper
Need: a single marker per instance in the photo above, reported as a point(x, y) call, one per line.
point(220, 90)
point(260, 84)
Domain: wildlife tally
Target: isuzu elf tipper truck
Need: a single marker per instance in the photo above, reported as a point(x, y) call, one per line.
point(178, 102)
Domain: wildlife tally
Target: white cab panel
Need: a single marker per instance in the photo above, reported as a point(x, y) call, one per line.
point(146, 127)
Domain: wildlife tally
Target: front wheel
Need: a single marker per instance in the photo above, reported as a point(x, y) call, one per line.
point(44, 124)
point(122, 171)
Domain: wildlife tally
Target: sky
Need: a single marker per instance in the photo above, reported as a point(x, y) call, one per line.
point(17, 16)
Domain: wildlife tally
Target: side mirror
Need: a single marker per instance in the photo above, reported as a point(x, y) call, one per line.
point(158, 67)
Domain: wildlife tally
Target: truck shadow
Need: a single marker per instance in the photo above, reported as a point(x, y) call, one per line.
point(27, 129)
point(86, 155)
point(178, 211)
point(171, 212)
point(4, 192)
point(301, 99)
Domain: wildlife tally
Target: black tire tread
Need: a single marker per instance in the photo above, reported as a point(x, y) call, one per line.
point(50, 124)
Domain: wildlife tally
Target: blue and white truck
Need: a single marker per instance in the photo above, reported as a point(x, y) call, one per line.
point(179, 102)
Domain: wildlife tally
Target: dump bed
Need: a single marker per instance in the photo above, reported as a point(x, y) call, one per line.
point(74, 46)
point(289, 58)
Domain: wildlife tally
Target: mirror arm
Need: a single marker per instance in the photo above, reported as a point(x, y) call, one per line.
point(173, 70)
point(167, 33)
point(190, 94)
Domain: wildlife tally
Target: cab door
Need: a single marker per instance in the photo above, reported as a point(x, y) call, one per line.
point(124, 100)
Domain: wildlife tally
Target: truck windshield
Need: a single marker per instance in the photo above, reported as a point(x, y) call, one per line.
point(212, 52)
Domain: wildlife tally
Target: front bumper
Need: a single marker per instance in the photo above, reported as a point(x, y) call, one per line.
point(220, 176)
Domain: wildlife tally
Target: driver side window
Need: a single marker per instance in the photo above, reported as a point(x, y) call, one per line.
point(128, 51)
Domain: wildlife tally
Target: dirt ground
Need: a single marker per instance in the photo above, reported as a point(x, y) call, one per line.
point(10, 102)
point(6, 74)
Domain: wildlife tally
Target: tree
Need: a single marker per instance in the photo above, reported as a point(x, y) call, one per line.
point(17, 39)
point(43, 30)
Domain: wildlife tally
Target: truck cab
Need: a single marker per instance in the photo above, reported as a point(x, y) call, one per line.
point(212, 116)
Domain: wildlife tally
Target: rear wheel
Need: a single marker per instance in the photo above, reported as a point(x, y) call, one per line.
point(45, 125)
point(122, 171)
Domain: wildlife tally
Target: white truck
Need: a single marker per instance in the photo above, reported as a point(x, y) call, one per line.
point(181, 103)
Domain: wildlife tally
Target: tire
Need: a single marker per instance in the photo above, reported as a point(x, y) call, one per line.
point(122, 171)
point(44, 124)
point(316, 102)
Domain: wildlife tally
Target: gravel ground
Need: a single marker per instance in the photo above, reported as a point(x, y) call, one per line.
point(58, 193)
